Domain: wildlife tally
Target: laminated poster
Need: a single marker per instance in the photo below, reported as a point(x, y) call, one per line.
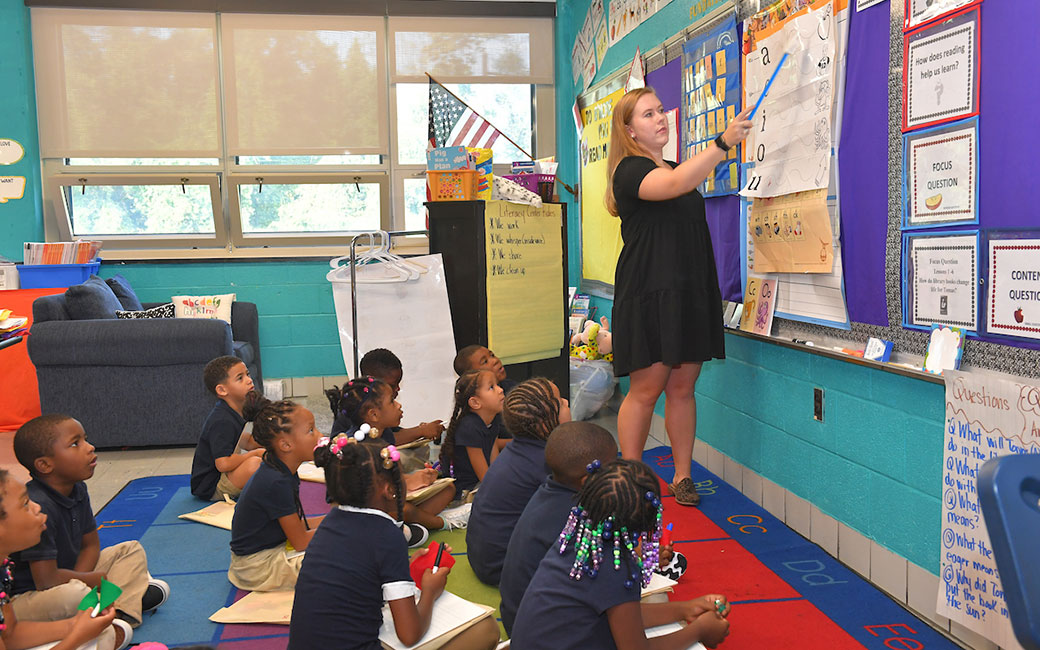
point(1014, 288)
point(985, 417)
point(941, 72)
point(942, 280)
point(942, 175)
point(792, 233)
point(919, 12)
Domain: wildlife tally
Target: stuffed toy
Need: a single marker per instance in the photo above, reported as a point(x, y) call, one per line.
point(594, 342)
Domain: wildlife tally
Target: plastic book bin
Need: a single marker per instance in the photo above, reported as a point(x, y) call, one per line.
point(454, 185)
point(1009, 493)
point(48, 276)
point(540, 184)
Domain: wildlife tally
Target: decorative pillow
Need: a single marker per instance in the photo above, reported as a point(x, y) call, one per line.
point(162, 311)
point(125, 293)
point(91, 300)
point(218, 306)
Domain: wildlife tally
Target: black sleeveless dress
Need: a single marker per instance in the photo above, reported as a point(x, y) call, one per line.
point(667, 304)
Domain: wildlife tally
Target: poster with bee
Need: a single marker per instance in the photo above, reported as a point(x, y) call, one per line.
point(940, 175)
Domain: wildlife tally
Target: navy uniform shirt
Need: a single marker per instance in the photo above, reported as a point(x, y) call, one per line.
point(356, 560)
point(537, 529)
point(69, 518)
point(507, 487)
point(558, 612)
point(472, 432)
point(270, 493)
point(219, 438)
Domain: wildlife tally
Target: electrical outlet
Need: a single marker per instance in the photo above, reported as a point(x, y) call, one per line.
point(818, 404)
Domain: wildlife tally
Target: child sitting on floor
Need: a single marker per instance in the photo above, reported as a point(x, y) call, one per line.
point(269, 512)
point(478, 357)
point(475, 434)
point(21, 525)
point(357, 560)
point(571, 448)
point(53, 576)
point(384, 365)
point(370, 401)
point(217, 470)
point(531, 411)
point(586, 591)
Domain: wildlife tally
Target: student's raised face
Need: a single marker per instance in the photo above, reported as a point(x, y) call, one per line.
point(485, 359)
point(648, 125)
point(564, 405)
point(385, 412)
point(302, 433)
point(489, 396)
point(23, 523)
point(236, 385)
point(72, 458)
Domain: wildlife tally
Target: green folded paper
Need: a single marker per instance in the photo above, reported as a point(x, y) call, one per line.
point(106, 594)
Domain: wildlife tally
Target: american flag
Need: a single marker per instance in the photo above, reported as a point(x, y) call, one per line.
point(453, 124)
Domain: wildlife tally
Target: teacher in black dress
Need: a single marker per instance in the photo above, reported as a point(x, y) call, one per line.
point(667, 316)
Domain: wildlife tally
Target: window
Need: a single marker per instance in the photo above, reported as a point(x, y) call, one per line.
point(255, 134)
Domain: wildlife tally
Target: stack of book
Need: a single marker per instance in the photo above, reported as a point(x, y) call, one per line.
point(80, 251)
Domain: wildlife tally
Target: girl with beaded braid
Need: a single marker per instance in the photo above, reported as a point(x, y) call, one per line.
point(585, 593)
point(358, 559)
point(268, 513)
point(533, 409)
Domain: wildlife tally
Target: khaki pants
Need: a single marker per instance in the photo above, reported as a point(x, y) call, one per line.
point(225, 486)
point(124, 565)
point(266, 570)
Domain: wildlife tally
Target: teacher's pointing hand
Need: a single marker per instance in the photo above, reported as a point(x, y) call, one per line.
point(738, 128)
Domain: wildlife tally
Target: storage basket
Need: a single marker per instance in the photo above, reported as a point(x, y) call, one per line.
point(48, 276)
point(454, 185)
point(540, 184)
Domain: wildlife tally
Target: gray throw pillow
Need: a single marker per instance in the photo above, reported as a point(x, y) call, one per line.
point(162, 311)
point(124, 292)
point(91, 300)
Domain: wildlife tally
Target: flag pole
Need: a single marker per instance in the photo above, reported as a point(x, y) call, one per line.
point(510, 140)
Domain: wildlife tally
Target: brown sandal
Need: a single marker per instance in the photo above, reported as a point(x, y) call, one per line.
point(685, 493)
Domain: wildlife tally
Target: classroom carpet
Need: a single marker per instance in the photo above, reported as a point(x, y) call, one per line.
point(786, 591)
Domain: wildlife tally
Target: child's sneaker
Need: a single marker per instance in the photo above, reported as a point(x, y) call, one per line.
point(674, 569)
point(128, 633)
point(155, 595)
point(416, 534)
point(456, 517)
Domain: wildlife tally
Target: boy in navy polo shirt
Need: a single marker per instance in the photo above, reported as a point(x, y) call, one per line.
point(569, 450)
point(217, 470)
point(531, 411)
point(478, 357)
point(385, 366)
point(52, 577)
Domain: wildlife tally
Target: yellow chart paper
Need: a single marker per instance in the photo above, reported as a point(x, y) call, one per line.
point(792, 233)
point(524, 280)
point(600, 232)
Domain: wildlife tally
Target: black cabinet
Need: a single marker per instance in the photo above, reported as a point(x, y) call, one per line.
point(457, 232)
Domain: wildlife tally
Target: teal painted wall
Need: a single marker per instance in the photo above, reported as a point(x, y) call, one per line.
point(875, 461)
point(20, 220)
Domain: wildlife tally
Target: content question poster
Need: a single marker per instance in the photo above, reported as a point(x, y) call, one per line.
point(1014, 288)
point(942, 278)
point(942, 175)
point(985, 417)
point(941, 72)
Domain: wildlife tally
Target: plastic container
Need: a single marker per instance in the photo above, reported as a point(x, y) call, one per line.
point(454, 185)
point(540, 184)
point(47, 276)
point(592, 384)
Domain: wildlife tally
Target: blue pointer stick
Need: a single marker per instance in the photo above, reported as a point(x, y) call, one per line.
point(768, 85)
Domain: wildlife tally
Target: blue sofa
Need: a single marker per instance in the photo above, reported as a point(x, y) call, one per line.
point(135, 382)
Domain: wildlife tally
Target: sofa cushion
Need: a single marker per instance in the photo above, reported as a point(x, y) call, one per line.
point(218, 306)
point(244, 351)
point(125, 293)
point(162, 311)
point(91, 300)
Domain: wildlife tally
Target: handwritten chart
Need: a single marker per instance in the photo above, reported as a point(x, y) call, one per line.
point(524, 280)
point(985, 417)
point(790, 143)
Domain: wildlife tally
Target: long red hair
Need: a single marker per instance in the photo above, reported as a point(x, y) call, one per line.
point(621, 143)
